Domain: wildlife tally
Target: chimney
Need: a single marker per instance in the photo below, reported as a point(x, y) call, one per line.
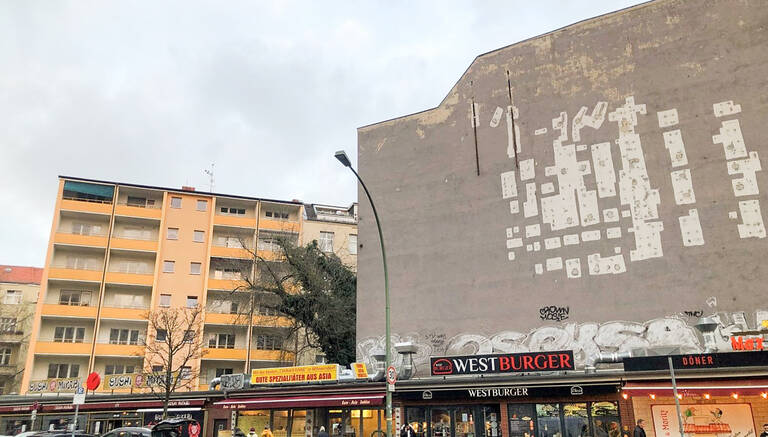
point(186, 188)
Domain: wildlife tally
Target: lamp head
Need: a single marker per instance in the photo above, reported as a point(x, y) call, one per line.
point(706, 324)
point(343, 158)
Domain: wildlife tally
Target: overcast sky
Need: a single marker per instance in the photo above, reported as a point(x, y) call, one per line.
point(153, 92)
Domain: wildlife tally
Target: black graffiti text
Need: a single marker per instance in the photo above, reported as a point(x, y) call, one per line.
point(554, 313)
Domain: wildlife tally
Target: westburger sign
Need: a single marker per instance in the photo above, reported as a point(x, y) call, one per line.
point(502, 363)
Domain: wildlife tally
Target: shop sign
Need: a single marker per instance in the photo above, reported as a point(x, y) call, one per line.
point(740, 343)
point(299, 374)
point(360, 371)
point(136, 380)
point(576, 390)
point(502, 363)
point(426, 394)
point(698, 361)
point(65, 385)
point(703, 420)
point(497, 392)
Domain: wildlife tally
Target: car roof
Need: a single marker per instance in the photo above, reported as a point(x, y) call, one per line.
point(131, 428)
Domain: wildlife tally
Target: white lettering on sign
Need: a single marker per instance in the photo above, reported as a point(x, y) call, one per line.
point(498, 392)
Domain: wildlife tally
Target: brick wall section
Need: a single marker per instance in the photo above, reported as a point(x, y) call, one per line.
point(627, 414)
point(642, 408)
point(504, 417)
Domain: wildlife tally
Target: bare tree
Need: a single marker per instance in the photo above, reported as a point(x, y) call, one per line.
point(176, 344)
point(14, 333)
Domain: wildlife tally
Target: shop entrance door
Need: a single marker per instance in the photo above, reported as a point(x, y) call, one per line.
point(458, 421)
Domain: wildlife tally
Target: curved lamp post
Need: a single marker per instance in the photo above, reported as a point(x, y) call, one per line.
point(344, 159)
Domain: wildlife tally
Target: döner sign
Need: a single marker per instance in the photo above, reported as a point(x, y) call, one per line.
point(502, 363)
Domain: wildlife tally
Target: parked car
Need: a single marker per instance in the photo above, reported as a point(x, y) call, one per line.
point(172, 427)
point(129, 431)
point(62, 433)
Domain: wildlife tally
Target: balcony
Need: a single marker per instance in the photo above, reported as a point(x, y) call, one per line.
point(230, 252)
point(72, 274)
point(131, 273)
point(56, 348)
point(106, 349)
point(225, 284)
point(137, 210)
point(89, 206)
point(134, 244)
point(212, 318)
point(239, 355)
point(115, 312)
point(90, 240)
point(55, 310)
point(237, 221)
point(12, 337)
point(8, 370)
point(279, 225)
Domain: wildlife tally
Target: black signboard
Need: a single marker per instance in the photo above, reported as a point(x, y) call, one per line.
point(507, 392)
point(502, 363)
point(698, 361)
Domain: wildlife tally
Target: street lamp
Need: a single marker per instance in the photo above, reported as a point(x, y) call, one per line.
point(344, 159)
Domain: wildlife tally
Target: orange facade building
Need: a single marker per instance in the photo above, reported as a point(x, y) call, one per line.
point(119, 251)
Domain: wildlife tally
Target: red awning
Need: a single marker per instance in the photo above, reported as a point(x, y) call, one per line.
point(128, 405)
point(346, 400)
point(719, 387)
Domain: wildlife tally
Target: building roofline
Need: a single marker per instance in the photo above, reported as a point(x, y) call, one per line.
point(560, 29)
point(179, 190)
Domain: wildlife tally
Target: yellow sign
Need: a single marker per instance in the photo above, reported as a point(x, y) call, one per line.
point(360, 371)
point(299, 374)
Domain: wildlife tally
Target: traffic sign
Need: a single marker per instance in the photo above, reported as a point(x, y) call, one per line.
point(79, 398)
point(391, 374)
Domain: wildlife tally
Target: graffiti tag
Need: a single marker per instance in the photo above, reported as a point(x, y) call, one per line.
point(554, 313)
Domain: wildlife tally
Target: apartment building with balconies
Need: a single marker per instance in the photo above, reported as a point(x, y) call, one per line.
point(19, 288)
point(119, 251)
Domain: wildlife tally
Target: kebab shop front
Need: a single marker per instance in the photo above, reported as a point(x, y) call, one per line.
point(711, 405)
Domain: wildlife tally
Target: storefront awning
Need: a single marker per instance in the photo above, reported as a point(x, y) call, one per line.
point(128, 405)
point(308, 401)
point(738, 386)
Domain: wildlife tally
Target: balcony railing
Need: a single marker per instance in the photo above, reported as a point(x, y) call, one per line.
point(80, 199)
point(157, 205)
point(136, 270)
point(90, 268)
point(83, 233)
point(124, 236)
point(131, 306)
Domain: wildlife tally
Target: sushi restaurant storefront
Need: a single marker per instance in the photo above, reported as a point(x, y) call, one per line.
point(345, 409)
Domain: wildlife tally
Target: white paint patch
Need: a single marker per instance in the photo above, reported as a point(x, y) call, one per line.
point(510, 233)
point(626, 213)
point(673, 141)
point(536, 246)
point(647, 240)
point(752, 220)
point(594, 120)
point(513, 132)
point(690, 229)
point(529, 247)
point(613, 232)
point(726, 108)
point(561, 123)
point(617, 250)
point(554, 264)
point(511, 256)
point(747, 185)
point(604, 172)
point(516, 229)
point(550, 171)
point(683, 187)
point(573, 268)
point(514, 243)
point(581, 147)
point(732, 140)
point(527, 169)
point(475, 114)
point(668, 118)
point(590, 235)
point(733, 215)
point(571, 239)
point(541, 131)
point(514, 207)
point(496, 116)
point(552, 243)
point(611, 215)
point(539, 269)
point(547, 188)
point(508, 185)
point(531, 205)
point(590, 214)
point(532, 230)
point(608, 265)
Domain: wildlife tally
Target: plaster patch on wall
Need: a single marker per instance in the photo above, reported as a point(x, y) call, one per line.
point(552, 243)
point(532, 230)
point(611, 215)
point(536, 246)
point(751, 225)
point(511, 256)
point(514, 243)
point(530, 206)
point(590, 235)
point(561, 123)
point(747, 185)
point(599, 265)
point(726, 108)
point(474, 114)
point(496, 118)
point(613, 232)
point(547, 188)
point(594, 120)
point(673, 141)
point(571, 239)
point(513, 132)
point(539, 269)
point(527, 169)
point(690, 229)
point(508, 185)
point(667, 118)
point(514, 207)
point(541, 131)
point(683, 187)
point(510, 233)
point(573, 268)
point(604, 172)
point(732, 140)
point(554, 264)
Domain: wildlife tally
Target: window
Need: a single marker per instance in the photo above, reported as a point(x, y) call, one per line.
point(233, 211)
point(8, 324)
point(268, 310)
point(157, 369)
point(352, 244)
point(223, 371)
point(86, 229)
point(277, 215)
point(173, 233)
point(74, 297)
point(202, 205)
point(189, 336)
point(199, 236)
point(221, 341)
point(5, 356)
point(12, 297)
point(169, 266)
point(269, 342)
point(226, 273)
point(123, 336)
point(185, 372)
point(117, 369)
point(175, 202)
point(191, 301)
point(165, 300)
point(63, 370)
point(325, 243)
point(68, 334)
point(162, 335)
point(136, 201)
point(319, 359)
point(231, 241)
point(194, 268)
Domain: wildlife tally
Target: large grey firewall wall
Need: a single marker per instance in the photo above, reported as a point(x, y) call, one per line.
point(630, 202)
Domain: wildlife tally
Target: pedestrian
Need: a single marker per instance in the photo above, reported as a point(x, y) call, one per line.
point(407, 430)
point(640, 428)
point(323, 432)
point(613, 430)
point(765, 430)
point(600, 430)
point(252, 432)
point(239, 432)
point(268, 433)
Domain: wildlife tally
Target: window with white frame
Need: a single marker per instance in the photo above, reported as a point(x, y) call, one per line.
point(68, 334)
point(189, 336)
point(74, 297)
point(223, 371)
point(8, 324)
point(221, 341)
point(232, 211)
point(226, 273)
point(173, 233)
point(199, 236)
point(165, 300)
point(352, 243)
point(195, 268)
point(12, 297)
point(325, 242)
point(185, 372)
point(269, 342)
point(123, 336)
point(277, 215)
point(191, 301)
point(230, 241)
point(56, 370)
point(162, 335)
point(86, 229)
point(169, 266)
point(175, 202)
point(5, 356)
point(202, 205)
point(118, 369)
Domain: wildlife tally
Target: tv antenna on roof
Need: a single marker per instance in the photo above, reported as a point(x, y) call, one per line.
point(211, 179)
